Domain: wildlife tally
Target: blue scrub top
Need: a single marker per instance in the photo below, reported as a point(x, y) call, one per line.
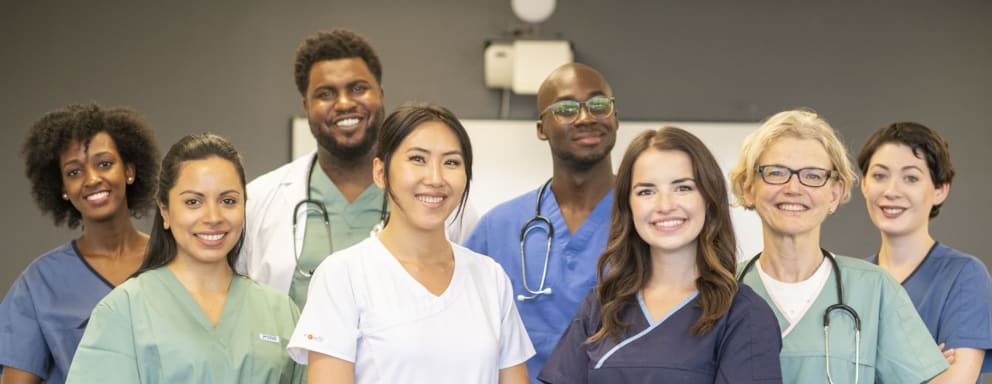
point(742, 347)
point(45, 312)
point(952, 292)
point(571, 266)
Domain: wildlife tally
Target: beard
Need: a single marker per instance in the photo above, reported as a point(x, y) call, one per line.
point(352, 152)
point(583, 161)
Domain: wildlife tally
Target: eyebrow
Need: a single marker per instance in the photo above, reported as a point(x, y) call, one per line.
point(573, 98)
point(908, 167)
point(200, 194)
point(425, 150)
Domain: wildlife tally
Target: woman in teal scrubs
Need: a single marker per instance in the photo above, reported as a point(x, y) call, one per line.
point(186, 317)
point(794, 172)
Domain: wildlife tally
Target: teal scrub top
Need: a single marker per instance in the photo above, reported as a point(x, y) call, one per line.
point(349, 224)
point(150, 330)
point(895, 344)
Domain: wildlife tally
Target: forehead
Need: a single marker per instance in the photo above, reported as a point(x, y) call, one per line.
point(573, 83)
point(655, 164)
point(432, 135)
point(796, 153)
point(99, 143)
point(210, 174)
point(340, 72)
point(897, 154)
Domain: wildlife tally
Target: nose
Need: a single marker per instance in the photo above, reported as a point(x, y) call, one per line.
point(890, 192)
point(343, 101)
point(91, 177)
point(584, 117)
point(212, 213)
point(434, 176)
point(793, 185)
point(664, 202)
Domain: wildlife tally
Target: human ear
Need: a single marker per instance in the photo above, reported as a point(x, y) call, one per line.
point(379, 173)
point(163, 210)
point(942, 191)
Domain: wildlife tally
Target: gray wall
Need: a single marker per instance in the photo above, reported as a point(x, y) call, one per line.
point(227, 68)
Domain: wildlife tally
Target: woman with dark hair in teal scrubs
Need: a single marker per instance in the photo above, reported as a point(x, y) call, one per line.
point(186, 317)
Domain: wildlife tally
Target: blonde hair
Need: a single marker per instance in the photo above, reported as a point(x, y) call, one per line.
point(800, 124)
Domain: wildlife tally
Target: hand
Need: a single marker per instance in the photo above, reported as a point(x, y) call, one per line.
point(948, 354)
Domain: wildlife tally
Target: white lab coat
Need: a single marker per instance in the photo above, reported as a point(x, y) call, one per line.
point(266, 253)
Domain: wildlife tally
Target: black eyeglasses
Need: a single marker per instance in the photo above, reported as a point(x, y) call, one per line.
point(810, 177)
point(566, 111)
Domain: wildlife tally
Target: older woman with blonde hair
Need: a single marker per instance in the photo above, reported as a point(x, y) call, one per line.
point(842, 319)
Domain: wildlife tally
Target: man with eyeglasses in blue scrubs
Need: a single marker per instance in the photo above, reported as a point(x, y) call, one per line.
point(578, 120)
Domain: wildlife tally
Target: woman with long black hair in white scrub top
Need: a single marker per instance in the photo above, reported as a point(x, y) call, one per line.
point(407, 305)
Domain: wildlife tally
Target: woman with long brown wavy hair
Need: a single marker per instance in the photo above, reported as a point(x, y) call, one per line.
point(667, 307)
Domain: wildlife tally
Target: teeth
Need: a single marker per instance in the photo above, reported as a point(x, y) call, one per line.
point(97, 196)
point(893, 211)
point(211, 237)
point(430, 199)
point(791, 207)
point(348, 122)
point(670, 223)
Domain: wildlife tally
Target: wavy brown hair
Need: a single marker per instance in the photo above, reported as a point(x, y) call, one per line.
point(625, 266)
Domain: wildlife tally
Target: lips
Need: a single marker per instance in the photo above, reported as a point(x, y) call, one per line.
point(668, 224)
point(211, 239)
point(892, 212)
point(792, 207)
point(430, 200)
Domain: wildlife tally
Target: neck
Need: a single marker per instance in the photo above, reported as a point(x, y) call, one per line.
point(791, 259)
point(582, 187)
point(355, 172)
point(419, 246)
point(202, 277)
point(905, 250)
point(116, 237)
point(676, 270)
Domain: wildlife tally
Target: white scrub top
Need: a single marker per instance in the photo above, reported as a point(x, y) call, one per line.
point(364, 307)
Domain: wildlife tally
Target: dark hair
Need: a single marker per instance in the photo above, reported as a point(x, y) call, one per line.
point(162, 244)
point(925, 143)
point(625, 266)
point(57, 129)
point(333, 45)
point(403, 121)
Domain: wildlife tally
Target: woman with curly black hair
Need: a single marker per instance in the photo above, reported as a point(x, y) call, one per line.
point(88, 166)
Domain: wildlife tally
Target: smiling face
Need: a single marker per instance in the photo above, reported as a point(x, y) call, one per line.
point(344, 106)
point(589, 139)
point(95, 178)
point(206, 211)
point(899, 191)
point(666, 205)
point(793, 209)
point(427, 178)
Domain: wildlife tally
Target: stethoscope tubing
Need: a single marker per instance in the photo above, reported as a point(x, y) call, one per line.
point(526, 229)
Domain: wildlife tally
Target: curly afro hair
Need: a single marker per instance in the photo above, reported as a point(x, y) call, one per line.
point(333, 45)
point(51, 135)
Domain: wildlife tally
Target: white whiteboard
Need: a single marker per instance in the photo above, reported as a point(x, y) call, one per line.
point(509, 160)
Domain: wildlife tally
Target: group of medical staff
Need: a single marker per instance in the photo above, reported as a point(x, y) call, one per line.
point(592, 277)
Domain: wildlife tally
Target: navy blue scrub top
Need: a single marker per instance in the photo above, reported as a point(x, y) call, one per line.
point(742, 347)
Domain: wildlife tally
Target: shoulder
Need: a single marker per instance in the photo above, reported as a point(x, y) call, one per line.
point(58, 258)
point(747, 304)
point(956, 259)
point(478, 263)
point(264, 294)
point(859, 269)
point(521, 206)
point(266, 182)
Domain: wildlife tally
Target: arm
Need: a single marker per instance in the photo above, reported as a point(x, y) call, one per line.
point(516, 374)
point(906, 352)
point(328, 369)
point(568, 362)
point(106, 353)
point(965, 369)
point(16, 376)
point(749, 350)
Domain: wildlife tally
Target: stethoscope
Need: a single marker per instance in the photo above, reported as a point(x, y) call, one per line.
point(310, 206)
point(532, 224)
point(826, 315)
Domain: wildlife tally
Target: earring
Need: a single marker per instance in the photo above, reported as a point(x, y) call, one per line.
point(130, 180)
point(377, 228)
point(65, 196)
